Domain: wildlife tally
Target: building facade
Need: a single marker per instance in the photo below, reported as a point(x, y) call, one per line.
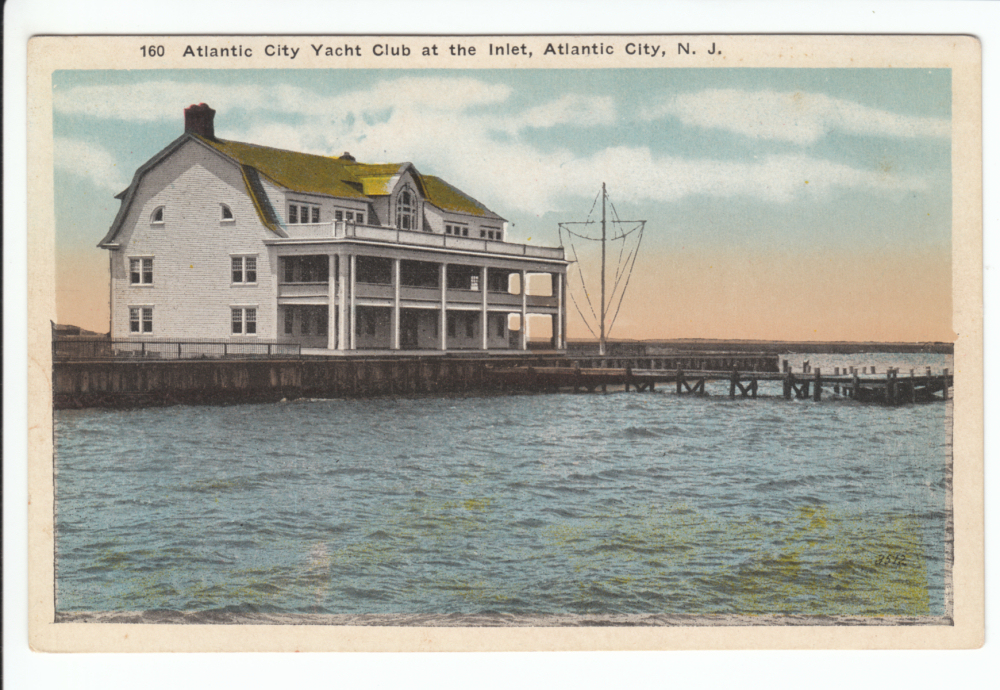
point(222, 240)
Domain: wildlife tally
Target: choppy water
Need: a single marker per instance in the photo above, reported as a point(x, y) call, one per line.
point(530, 504)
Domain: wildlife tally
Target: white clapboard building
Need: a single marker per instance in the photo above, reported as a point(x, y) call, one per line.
point(227, 241)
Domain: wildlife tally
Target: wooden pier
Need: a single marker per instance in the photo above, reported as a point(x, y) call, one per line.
point(143, 382)
point(887, 389)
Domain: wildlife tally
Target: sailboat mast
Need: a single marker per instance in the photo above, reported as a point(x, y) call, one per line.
point(604, 240)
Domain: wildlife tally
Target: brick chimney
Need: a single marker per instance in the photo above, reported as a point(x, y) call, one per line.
point(200, 119)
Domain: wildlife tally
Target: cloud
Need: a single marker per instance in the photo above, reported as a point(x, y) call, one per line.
point(571, 109)
point(165, 99)
point(89, 161)
point(454, 127)
point(800, 118)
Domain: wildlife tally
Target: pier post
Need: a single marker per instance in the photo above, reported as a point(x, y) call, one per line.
point(787, 384)
point(628, 376)
point(944, 385)
point(753, 388)
point(913, 388)
point(817, 388)
point(680, 380)
point(734, 377)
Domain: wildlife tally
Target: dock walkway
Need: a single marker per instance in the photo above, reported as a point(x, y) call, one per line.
point(890, 389)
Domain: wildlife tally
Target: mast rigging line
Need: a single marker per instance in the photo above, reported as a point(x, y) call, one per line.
point(623, 271)
point(583, 283)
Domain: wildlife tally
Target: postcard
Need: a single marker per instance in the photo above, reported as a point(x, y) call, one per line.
point(420, 342)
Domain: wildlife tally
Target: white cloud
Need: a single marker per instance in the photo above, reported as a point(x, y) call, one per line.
point(571, 109)
point(800, 118)
point(450, 127)
point(166, 99)
point(89, 161)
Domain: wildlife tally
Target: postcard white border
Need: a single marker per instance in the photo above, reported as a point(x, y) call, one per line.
point(948, 17)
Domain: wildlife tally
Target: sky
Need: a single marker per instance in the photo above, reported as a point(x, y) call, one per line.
point(785, 204)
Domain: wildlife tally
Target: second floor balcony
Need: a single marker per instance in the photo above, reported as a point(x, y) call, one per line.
point(375, 233)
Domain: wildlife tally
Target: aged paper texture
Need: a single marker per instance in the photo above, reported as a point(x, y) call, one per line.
point(286, 291)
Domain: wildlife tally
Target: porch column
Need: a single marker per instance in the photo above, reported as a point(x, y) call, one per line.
point(563, 310)
point(524, 309)
point(444, 307)
point(354, 306)
point(395, 304)
point(331, 299)
point(557, 278)
point(485, 320)
point(342, 302)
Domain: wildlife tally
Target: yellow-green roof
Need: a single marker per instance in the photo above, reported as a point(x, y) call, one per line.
point(302, 172)
point(338, 177)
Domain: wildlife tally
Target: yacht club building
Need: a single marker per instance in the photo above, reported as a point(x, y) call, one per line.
point(223, 240)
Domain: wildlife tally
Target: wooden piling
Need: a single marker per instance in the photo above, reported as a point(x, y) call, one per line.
point(787, 384)
point(817, 388)
point(680, 380)
point(733, 379)
point(944, 385)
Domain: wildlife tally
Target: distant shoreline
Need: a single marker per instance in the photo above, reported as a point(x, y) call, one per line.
point(657, 346)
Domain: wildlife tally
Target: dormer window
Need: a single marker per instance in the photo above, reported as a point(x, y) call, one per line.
point(303, 213)
point(227, 213)
point(406, 216)
point(157, 216)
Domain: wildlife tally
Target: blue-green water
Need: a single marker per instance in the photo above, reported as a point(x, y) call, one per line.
point(529, 504)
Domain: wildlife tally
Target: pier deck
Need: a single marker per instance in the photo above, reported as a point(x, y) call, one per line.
point(890, 389)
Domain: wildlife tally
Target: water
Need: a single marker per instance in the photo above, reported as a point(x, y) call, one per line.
point(529, 505)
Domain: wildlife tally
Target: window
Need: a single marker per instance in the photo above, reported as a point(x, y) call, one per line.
point(157, 216)
point(492, 233)
point(305, 326)
point(406, 218)
point(244, 320)
point(140, 319)
point(359, 218)
point(141, 271)
point(451, 325)
point(289, 320)
point(227, 213)
point(321, 322)
point(303, 213)
point(470, 325)
point(338, 215)
point(244, 269)
point(473, 282)
point(499, 321)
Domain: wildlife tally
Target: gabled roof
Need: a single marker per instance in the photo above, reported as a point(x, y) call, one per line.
point(311, 174)
point(344, 178)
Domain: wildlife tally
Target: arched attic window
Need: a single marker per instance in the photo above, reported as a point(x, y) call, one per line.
point(406, 209)
point(157, 215)
point(227, 213)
